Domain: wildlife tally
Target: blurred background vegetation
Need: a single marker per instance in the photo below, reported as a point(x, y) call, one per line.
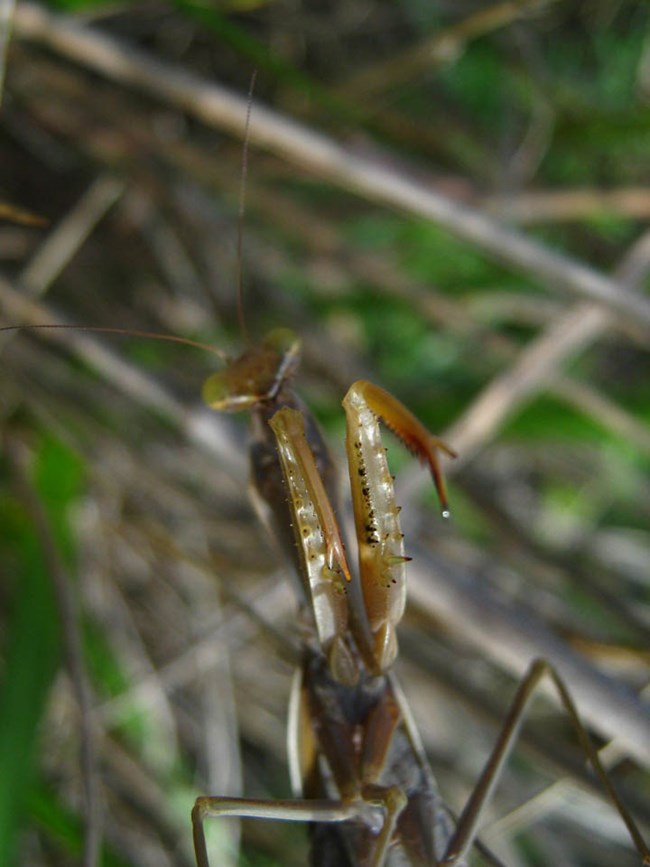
point(124, 516)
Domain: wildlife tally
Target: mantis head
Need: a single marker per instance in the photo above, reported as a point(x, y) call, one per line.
point(256, 376)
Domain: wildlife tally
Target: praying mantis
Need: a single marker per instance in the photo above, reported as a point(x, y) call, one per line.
point(359, 818)
point(364, 813)
point(352, 652)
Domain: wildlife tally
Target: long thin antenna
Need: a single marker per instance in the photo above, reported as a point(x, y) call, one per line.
point(240, 216)
point(127, 332)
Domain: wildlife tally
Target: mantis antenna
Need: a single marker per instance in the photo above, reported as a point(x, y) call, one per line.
point(148, 335)
point(240, 216)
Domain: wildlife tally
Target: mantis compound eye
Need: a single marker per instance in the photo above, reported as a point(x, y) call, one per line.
point(216, 391)
point(284, 341)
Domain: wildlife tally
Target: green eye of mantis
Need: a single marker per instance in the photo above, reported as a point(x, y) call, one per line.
point(282, 340)
point(216, 390)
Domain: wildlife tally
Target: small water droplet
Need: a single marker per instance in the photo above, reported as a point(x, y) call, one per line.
point(446, 514)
